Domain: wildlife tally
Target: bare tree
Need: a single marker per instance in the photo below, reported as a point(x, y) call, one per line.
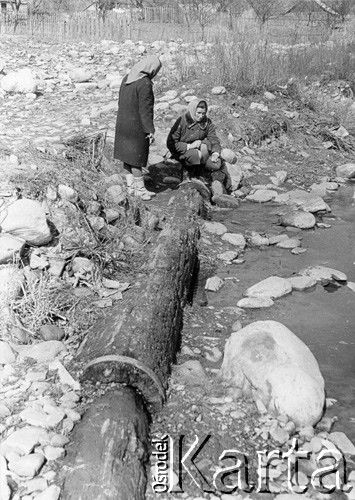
point(265, 9)
point(37, 6)
point(232, 8)
point(16, 5)
point(104, 6)
point(201, 12)
point(342, 7)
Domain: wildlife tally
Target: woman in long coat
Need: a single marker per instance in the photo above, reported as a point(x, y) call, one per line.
point(135, 123)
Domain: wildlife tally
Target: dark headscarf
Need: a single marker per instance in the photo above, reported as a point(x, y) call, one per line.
point(149, 66)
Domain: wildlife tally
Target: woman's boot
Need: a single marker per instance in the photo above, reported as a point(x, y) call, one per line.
point(140, 191)
point(130, 184)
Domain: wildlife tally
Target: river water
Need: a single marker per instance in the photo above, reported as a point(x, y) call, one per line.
point(323, 317)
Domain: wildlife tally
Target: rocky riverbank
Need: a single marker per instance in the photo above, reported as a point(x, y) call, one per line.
point(56, 129)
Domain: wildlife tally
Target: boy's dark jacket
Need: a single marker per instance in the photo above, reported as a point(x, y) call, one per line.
point(185, 131)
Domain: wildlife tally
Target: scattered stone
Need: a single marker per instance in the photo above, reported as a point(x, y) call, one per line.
point(215, 227)
point(12, 281)
point(306, 201)
point(27, 466)
point(51, 493)
point(80, 75)
point(190, 373)
point(256, 240)
point(228, 256)
point(21, 82)
point(289, 243)
point(67, 193)
point(279, 435)
point(43, 351)
point(10, 248)
point(346, 171)
point(259, 106)
point(298, 251)
point(320, 273)
point(342, 442)
point(219, 90)
point(262, 195)
point(23, 441)
point(273, 287)
point(7, 354)
point(270, 96)
point(225, 201)
point(298, 218)
point(39, 418)
point(213, 354)
point(228, 155)
point(351, 285)
point(279, 177)
point(301, 283)
point(27, 220)
point(53, 453)
point(82, 265)
point(235, 239)
point(217, 189)
point(115, 194)
point(255, 302)
point(276, 239)
point(64, 376)
point(214, 284)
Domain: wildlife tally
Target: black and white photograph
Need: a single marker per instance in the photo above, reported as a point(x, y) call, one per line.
point(177, 249)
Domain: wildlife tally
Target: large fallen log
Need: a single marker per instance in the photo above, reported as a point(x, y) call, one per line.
point(135, 346)
point(109, 450)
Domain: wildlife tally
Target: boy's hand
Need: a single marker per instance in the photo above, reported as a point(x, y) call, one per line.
point(215, 157)
point(195, 145)
point(150, 137)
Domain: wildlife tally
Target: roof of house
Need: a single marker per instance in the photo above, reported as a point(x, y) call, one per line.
point(318, 5)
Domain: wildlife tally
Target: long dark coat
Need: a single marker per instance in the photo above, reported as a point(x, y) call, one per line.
point(135, 119)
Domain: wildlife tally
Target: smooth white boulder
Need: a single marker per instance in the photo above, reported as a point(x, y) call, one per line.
point(21, 82)
point(270, 363)
point(272, 287)
point(347, 170)
point(26, 219)
point(320, 273)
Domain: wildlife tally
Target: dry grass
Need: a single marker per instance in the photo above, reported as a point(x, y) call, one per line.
point(247, 64)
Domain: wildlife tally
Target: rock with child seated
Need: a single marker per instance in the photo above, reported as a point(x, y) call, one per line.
point(201, 187)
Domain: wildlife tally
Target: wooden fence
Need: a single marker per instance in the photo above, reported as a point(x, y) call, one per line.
point(79, 26)
point(163, 23)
